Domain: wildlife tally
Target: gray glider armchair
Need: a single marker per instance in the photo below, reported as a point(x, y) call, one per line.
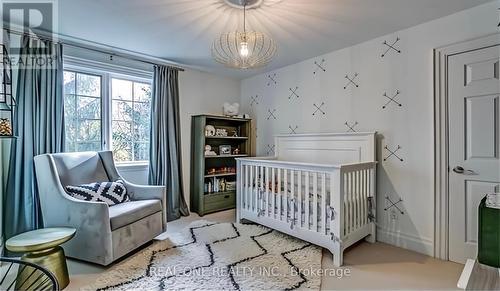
point(103, 233)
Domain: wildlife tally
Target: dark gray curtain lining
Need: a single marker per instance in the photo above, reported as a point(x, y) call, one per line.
point(40, 124)
point(165, 163)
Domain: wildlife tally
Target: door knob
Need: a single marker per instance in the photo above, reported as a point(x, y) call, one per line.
point(461, 170)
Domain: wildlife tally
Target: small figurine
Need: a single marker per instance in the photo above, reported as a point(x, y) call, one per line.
point(236, 151)
point(209, 130)
point(221, 132)
point(209, 151)
point(231, 109)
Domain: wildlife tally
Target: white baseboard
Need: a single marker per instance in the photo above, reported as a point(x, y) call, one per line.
point(418, 244)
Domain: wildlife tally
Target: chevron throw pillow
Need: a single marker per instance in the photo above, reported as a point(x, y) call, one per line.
point(111, 193)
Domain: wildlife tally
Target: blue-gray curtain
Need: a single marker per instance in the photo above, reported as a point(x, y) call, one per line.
point(165, 167)
point(40, 124)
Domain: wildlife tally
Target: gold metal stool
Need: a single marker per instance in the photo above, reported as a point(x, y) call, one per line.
point(41, 247)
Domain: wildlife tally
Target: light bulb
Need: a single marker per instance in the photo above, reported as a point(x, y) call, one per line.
point(244, 49)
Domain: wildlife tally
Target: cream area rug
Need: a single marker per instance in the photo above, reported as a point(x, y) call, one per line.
point(218, 256)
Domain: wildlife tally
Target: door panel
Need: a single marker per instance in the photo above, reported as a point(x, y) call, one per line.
point(474, 124)
point(481, 116)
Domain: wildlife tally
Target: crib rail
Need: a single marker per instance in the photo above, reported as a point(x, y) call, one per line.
point(333, 201)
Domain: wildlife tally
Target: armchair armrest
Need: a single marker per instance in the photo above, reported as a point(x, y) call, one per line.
point(144, 192)
point(136, 192)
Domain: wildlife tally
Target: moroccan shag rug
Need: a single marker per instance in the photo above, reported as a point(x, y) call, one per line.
point(218, 256)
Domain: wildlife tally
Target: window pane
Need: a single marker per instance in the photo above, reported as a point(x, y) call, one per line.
point(89, 130)
point(82, 114)
point(70, 121)
point(88, 85)
point(69, 83)
point(121, 89)
point(122, 141)
point(142, 92)
point(87, 146)
point(142, 121)
point(122, 111)
point(89, 108)
point(141, 151)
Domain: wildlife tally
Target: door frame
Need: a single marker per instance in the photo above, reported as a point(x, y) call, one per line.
point(441, 136)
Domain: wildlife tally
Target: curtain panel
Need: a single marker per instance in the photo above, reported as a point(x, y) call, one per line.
point(165, 167)
point(40, 123)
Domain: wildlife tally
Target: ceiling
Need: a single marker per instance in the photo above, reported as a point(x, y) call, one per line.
point(183, 30)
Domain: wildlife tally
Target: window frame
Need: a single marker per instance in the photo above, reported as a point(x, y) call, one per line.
point(107, 72)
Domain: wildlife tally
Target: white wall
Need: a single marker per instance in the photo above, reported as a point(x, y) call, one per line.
point(410, 126)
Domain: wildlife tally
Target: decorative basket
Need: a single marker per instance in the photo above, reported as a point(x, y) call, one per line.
point(5, 127)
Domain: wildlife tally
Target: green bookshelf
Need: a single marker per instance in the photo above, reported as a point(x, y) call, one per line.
point(213, 177)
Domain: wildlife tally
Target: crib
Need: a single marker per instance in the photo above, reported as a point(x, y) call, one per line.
point(318, 187)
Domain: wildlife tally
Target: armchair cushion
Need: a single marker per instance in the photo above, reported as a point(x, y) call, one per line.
point(129, 212)
point(111, 193)
point(79, 168)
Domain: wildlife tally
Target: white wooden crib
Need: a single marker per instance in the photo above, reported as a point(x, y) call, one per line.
point(318, 187)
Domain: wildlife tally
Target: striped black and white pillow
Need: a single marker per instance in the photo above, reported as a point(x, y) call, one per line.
point(111, 193)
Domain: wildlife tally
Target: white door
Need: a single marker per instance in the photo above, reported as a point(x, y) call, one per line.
point(474, 124)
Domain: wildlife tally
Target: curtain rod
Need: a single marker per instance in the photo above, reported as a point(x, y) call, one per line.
point(113, 51)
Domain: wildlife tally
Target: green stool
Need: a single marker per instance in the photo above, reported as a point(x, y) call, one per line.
point(41, 247)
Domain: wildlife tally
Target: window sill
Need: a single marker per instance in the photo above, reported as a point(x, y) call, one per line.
point(132, 166)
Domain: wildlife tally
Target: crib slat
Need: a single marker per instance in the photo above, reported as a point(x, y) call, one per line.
point(365, 198)
point(354, 202)
point(273, 196)
point(344, 205)
point(245, 197)
point(332, 210)
point(358, 209)
point(306, 204)
point(285, 194)
point(262, 189)
point(323, 204)
point(315, 202)
point(299, 198)
point(360, 199)
point(266, 187)
point(291, 204)
point(351, 184)
point(349, 191)
point(250, 188)
point(257, 188)
point(278, 197)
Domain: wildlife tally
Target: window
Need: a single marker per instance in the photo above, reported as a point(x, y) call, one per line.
point(82, 111)
point(131, 104)
point(101, 106)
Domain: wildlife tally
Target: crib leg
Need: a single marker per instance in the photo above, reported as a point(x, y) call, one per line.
point(338, 256)
point(372, 238)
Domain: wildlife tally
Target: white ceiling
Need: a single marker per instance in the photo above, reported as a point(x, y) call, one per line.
point(183, 30)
